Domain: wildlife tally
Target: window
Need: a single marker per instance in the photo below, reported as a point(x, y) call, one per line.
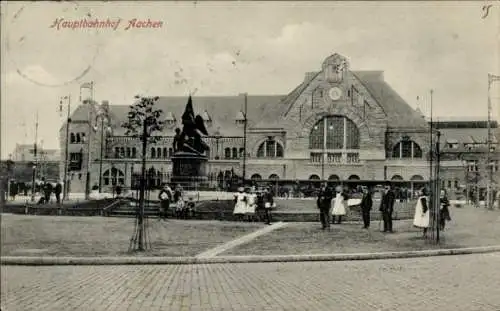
point(334, 137)
point(72, 138)
point(472, 166)
point(113, 177)
point(270, 149)
point(235, 153)
point(456, 184)
point(117, 152)
point(165, 152)
point(227, 153)
point(449, 183)
point(78, 138)
point(75, 161)
point(170, 152)
point(494, 166)
point(134, 152)
point(128, 152)
point(407, 149)
point(122, 152)
point(153, 153)
point(158, 153)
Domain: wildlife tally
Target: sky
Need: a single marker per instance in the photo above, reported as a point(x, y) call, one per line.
point(227, 48)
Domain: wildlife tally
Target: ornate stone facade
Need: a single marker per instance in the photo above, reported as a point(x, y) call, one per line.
point(337, 124)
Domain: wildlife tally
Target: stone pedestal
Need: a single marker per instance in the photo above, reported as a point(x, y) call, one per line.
point(189, 169)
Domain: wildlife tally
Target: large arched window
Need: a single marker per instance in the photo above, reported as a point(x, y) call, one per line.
point(256, 177)
point(273, 177)
point(235, 153)
point(114, 177)
point(270, 149)
point(335, 139)
point(407, 149)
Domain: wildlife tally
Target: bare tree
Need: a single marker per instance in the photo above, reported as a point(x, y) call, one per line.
point(143, 121)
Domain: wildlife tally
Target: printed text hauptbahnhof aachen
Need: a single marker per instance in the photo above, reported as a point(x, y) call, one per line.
point(107, 23)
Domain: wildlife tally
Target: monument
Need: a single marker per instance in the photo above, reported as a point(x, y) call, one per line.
point(189, 161)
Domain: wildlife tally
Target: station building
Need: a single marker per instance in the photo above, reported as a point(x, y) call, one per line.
point(337, 124)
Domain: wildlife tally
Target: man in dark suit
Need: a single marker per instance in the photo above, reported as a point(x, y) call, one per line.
point(366, 207)
point(324, 203)
point(387, 207)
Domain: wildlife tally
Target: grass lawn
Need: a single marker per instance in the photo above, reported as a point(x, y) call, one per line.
point(469, 227)
point(107, 236)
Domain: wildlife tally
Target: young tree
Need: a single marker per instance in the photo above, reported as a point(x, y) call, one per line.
point(143, 121)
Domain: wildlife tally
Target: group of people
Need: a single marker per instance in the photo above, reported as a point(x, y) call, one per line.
point(324, 204)
point(47, 189)
point(340, 197)
point(182, 209)
point(253, 204)
point(422, 211)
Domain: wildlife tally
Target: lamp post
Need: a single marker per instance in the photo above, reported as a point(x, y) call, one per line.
point(245, 140)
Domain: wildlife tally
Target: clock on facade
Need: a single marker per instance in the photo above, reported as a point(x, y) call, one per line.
point(335, 93)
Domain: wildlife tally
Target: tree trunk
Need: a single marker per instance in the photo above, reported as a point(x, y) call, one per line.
point(143, 187)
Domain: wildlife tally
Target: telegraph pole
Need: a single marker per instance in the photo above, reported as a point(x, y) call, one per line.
point(491, 78)
point(89, 144)
point(66, 155)
point(33, 178)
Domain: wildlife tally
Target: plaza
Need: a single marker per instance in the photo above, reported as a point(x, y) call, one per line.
point(454, 283)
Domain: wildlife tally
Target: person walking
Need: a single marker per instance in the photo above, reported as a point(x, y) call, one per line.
point(422, 217)
point(165, 197)
point(366, 207)
point(339, 206)
point(387, 207)
point(57, 192)
point(47, 188)
point(444, 211)
point(268, 204)
point(324, 203)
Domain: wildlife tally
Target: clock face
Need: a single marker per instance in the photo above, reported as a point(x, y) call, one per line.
point(335, 93)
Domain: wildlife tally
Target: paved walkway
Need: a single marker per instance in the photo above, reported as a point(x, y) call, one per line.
point(239, 241)
point(454, 283)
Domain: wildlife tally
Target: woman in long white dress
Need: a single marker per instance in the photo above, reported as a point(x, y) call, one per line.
point(339, 205)
point(251, 205)
point(240, 206)
point(422, 217)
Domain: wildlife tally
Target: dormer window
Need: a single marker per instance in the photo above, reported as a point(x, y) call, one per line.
point(240, 118)
point(452, 144)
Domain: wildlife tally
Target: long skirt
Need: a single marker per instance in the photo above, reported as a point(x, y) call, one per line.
point(240, 208)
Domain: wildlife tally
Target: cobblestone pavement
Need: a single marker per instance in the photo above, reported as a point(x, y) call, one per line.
point(455, 283)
